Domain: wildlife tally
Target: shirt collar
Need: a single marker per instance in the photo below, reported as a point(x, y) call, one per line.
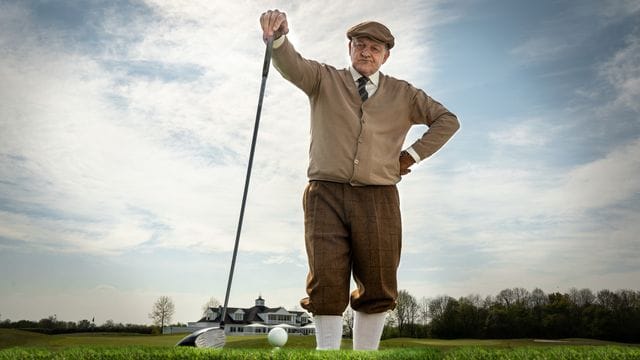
point(373, 78)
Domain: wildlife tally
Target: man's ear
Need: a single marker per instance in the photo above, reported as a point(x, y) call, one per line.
point(386, 56)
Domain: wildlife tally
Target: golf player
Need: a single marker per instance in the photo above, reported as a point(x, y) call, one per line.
point(359, 120)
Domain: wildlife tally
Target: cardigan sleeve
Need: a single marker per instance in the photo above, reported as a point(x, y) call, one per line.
point(441, 122)
point(303, 73)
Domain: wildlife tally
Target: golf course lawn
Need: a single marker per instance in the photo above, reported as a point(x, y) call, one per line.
point(27, 345)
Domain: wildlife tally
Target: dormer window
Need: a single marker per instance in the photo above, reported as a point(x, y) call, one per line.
point(238, 315)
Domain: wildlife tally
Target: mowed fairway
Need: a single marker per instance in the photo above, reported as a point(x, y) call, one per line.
point(21, 344)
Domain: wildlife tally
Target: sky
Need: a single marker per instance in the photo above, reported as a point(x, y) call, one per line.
point(125, 129)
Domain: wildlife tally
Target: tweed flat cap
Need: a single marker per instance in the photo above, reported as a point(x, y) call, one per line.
point(373, 30)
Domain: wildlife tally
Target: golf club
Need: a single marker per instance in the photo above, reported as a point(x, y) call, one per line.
point(214, 337)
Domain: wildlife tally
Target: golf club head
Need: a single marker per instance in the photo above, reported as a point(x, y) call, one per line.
point(205, 338)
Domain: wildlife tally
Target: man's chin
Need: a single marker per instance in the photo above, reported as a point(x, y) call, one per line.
point(364, 70)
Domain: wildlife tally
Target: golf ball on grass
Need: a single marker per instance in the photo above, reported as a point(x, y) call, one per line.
point(277, 337)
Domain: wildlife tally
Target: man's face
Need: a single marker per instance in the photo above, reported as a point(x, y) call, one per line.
point(367, 55)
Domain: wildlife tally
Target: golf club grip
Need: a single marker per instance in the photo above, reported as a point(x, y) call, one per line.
point(267, 58)
point(265, 72)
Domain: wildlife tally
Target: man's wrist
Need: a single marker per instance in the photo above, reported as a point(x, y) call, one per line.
point(413, 154)
point(278, 42)
point(408, 158)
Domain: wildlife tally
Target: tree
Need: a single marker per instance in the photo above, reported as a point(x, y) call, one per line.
point(347, 327)
point(537, 306)
point(84, 324)
point(607, 299)
point(447, 324)
point(472, 316)
point(423, 312)
point(407, 310)
point(212, 303)
point(390, 330)
point(391, 320)
point(522, 296)
point(162, 311)
point(506, 298)
point(109, 324)
point(581, 298)
point(49, 323)
point(559, 315)
point(437, 306)
point(538, 298)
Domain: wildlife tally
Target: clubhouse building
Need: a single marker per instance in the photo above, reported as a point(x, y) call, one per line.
point(256, 320)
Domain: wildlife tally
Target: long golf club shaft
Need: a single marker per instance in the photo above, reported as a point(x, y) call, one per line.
point(265, 72)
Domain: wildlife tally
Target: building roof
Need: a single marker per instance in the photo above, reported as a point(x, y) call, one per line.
point(251, 315)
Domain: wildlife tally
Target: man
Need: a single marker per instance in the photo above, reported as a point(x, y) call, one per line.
point(359, 120)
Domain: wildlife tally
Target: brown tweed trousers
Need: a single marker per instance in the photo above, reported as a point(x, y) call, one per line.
point(351, 229)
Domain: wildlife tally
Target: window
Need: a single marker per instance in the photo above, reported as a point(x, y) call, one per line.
point(211, 315)
point(238, 316)
point(278, 318)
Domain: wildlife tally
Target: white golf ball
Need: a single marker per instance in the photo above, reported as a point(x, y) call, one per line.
point(277, 337)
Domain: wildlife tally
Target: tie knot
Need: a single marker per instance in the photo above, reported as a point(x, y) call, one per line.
point(363, 80)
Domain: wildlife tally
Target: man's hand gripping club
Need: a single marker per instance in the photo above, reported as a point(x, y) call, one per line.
point(274, 24)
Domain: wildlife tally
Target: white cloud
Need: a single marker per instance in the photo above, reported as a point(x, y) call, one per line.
point(532, 132)
point(121, 154)
point(614, 9)
point(110, 151)
point(543, 48)
point(556, 36)
point(490, 226)
point(622, 72)
point(601, 183)
point(104, 302)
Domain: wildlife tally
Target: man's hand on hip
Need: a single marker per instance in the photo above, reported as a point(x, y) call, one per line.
point(406, 161)
point(274, 24)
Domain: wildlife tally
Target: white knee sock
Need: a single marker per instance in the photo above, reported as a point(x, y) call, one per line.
point(328, 331)
point(367, 330)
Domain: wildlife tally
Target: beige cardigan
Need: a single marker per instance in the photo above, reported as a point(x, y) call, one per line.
point(355, 142)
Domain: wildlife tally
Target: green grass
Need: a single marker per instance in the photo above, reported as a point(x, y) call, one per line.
point(16, 344)
point(479, 353)
point(12, 338)
point(494, 343)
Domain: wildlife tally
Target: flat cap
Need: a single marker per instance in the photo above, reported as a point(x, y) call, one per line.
point(373, 30)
